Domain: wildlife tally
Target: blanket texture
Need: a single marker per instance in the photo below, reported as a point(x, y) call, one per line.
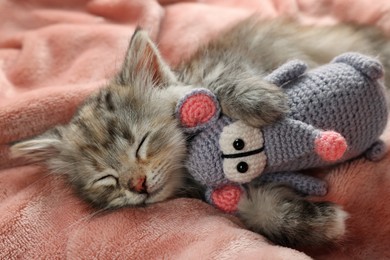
point(54, 53)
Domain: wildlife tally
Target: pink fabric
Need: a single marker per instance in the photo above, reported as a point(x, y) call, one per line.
point(53, 53)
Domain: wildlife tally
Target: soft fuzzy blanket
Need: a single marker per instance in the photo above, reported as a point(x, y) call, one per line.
point(53, 53)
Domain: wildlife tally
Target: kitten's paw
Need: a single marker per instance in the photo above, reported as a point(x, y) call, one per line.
point(337, 227)
point(257, 103)
point(287, 219)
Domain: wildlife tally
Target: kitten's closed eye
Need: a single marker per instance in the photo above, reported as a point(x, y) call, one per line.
point(106, 180)
point(137, 152)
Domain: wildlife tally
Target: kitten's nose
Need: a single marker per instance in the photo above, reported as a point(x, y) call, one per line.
point(138, 185)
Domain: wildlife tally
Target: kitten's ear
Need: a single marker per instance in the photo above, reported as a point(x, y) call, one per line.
point(144, 62)
point(39, 148)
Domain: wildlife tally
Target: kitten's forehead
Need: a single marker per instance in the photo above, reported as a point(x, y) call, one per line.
point(115, 118)
point(126, 102)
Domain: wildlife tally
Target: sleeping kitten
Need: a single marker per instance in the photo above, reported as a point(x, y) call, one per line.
point(123, 146)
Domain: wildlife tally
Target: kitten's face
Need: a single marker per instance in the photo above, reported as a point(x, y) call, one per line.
point(123, 146)
point(122, 149)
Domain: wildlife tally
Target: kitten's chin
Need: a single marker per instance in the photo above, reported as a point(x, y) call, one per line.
point(131, 199)
point(165, 192)
point(128, 200)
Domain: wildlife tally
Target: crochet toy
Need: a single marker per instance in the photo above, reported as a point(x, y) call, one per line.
point(337, 112)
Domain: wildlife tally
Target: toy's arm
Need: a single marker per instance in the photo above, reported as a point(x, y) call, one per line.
point(225, 198)
point(287, 72)
point(305, 184)
point(290, 139)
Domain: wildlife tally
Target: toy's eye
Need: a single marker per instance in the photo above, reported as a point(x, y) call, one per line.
point(243, 155)
point(238, 144)
point(242, 167)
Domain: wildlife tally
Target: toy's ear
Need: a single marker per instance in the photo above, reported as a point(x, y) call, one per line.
point(197, 109)
point(287, 72)
point(366, 65)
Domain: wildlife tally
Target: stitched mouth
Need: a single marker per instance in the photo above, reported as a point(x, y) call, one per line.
point(244, 154)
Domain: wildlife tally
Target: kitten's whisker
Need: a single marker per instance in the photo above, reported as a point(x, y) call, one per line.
point(45, 176)
point(86, 218)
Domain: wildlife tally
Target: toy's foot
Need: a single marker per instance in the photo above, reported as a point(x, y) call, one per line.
point(330, 146)
point(226, 197)
point(376, 151)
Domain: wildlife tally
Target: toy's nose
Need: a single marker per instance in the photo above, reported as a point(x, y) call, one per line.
point(330, 146)
point(138, 185)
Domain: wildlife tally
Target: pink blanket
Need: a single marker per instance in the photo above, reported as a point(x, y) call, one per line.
point(53, 53)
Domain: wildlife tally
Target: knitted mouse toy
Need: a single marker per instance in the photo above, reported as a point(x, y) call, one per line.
point(337, 112)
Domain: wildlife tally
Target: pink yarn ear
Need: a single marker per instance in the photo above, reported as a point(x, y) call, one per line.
point(197, 108)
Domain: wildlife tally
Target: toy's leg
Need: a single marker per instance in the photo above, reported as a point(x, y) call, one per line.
point(376, 151)
point(305, 184)
point(225, 198)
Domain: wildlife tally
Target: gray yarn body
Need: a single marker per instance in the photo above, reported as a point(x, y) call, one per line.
point(339, 96)
point(344, 96)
